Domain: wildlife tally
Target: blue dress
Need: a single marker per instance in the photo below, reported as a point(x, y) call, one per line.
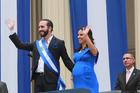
point(83, 71)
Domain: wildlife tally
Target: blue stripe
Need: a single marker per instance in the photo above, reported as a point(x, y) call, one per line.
point(23, 21)
point(117, 36)
point(78, 12)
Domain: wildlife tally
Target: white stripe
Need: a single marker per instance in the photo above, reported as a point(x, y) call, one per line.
point(47, 57)
point(8, 50)
point(97, 19)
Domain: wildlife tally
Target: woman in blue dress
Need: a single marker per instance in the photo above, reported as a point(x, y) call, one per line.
point(85, 59)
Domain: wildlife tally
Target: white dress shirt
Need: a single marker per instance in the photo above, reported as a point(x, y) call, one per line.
point(128, 73)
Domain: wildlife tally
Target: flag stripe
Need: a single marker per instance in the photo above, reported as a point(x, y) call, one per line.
point(117, 36)
point(78, 13)
point(8, 50)
point(23, 21)
point(97, 19)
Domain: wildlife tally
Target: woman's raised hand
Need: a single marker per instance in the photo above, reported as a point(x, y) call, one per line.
point(86, 30)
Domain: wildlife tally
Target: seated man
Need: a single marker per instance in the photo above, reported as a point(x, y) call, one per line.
point(129, 80)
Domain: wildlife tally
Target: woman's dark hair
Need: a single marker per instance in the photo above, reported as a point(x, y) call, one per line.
point(90, 36)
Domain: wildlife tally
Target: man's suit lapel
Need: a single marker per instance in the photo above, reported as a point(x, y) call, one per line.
point(52, 44)
point(124, 78)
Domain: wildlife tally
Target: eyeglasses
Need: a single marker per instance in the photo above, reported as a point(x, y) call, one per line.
point(127, 58)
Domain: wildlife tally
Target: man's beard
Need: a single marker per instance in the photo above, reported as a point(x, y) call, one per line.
point(44, 33)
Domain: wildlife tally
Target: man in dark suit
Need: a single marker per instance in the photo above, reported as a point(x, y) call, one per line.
point(129, 80)
point(45, 78)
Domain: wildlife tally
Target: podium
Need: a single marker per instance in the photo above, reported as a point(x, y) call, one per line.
point(114, 91)
point(80, 90)
point(119, 91)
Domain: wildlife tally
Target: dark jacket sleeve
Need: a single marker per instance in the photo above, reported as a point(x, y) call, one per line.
point(117, 85)
point(67, 61)
point(138, 81)
point(25, 46)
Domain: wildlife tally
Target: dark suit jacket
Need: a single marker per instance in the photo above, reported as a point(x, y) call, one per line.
point(133, 83)
point(56, 47)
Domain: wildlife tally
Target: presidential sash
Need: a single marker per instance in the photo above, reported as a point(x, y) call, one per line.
point(49, 60)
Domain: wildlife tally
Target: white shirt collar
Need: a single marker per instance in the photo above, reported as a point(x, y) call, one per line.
point(49, 40)
point(131, 69)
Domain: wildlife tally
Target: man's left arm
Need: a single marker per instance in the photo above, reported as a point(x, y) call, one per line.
point(138, 81)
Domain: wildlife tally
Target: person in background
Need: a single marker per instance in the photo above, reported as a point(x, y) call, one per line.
point(46, 54)
point(129, 80)
point(3, 87)
point(85, 59)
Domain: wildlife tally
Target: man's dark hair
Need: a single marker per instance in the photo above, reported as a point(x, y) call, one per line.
point(132, 54)
point(49, 23)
